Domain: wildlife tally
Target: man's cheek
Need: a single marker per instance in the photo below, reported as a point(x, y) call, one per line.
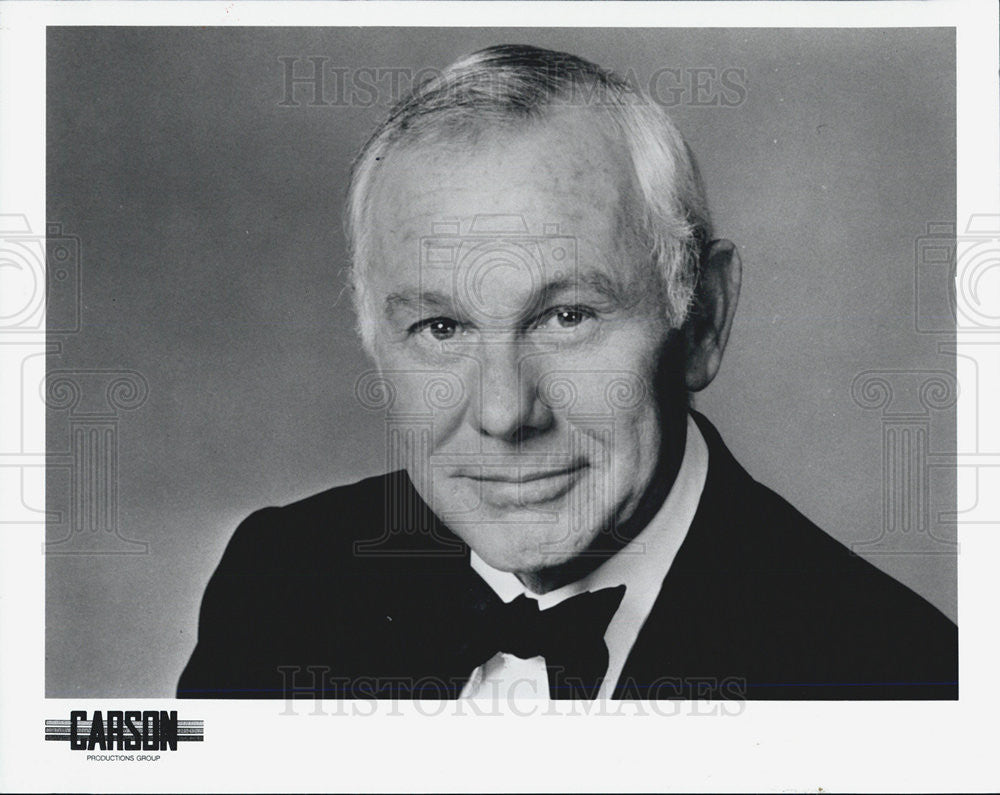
point(453, 498)
point(422, 393)
point(616, 394)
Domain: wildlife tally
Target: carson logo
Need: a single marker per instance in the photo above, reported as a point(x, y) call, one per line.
point(125, 730)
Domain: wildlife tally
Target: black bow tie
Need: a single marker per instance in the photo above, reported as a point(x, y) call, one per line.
point(569, 635)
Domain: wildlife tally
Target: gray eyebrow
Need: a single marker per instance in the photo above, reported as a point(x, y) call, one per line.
point(600, 282)
point(596, 280)
point(414, 297)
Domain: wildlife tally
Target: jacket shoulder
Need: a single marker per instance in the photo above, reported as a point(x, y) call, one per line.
point(281, 593)
point(315, 530)
point(787, 547)
point(793, 603)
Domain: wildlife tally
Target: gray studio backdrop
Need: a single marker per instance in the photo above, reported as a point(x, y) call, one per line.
point(215, 363)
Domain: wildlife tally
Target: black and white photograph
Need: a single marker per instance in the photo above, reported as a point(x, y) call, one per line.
point(454, 368)
point(439, 357)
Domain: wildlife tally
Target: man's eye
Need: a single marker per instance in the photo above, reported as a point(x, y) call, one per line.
point(564, 317)
point(440, 328)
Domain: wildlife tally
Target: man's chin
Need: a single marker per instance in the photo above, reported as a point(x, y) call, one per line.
point(524, 552)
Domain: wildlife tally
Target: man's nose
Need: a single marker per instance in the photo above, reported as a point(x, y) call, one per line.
point(507, 406)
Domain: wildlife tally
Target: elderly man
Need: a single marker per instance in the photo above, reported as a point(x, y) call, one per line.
point(537, 282)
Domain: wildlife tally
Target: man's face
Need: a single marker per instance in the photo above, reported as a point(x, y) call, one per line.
point(521, 327)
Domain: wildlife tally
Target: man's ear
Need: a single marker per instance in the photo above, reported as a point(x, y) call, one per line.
point(707, 328)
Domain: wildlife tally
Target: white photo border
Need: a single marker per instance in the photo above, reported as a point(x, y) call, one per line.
point(769, 746)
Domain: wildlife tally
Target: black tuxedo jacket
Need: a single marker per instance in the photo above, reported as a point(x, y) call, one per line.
point(360, 591)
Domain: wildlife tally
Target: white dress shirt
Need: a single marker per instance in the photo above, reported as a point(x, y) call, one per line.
point(641, 566)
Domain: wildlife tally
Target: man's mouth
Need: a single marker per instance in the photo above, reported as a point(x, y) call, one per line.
point(524, 486)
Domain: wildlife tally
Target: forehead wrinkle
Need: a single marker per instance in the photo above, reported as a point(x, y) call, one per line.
point(609, 224)
point(599, 152)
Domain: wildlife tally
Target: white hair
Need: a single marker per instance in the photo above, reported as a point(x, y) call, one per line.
point(516, 84)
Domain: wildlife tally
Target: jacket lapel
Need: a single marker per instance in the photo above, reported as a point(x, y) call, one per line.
point(691, 639)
